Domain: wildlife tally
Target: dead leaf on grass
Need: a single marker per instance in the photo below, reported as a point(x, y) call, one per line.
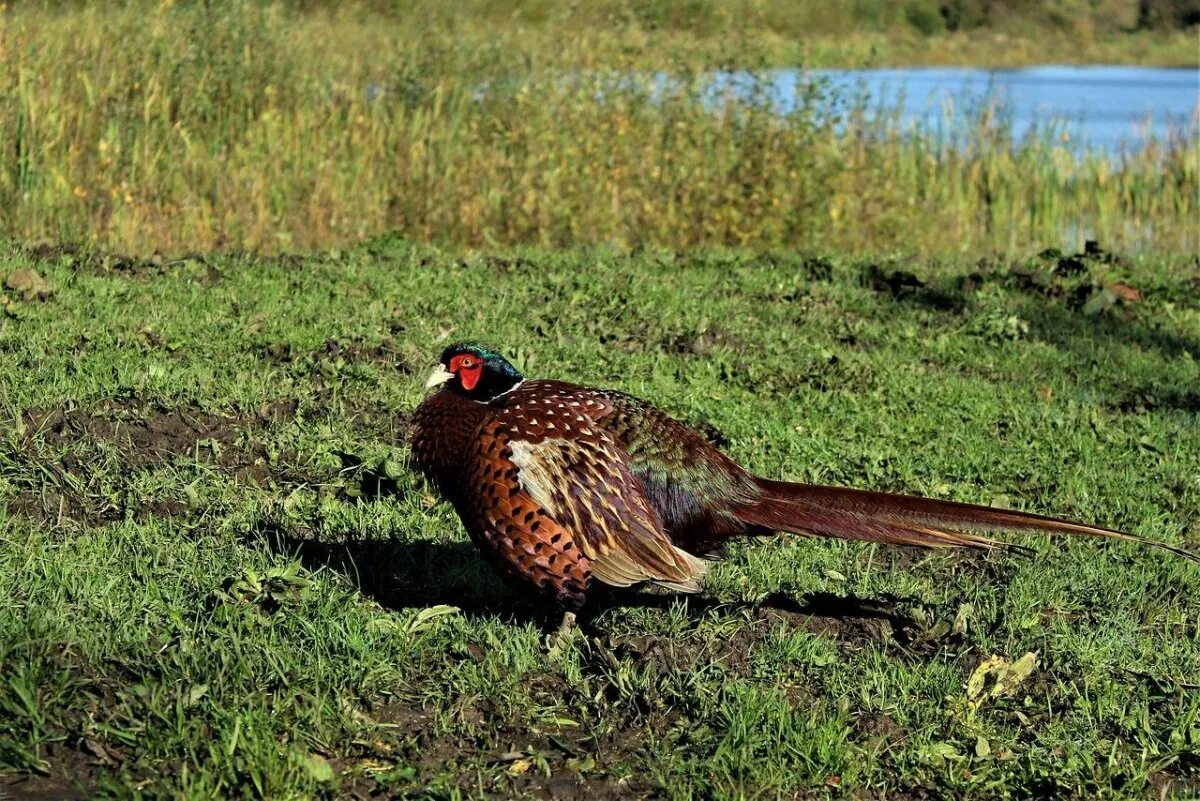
point(996, 676)
point(1126, 293)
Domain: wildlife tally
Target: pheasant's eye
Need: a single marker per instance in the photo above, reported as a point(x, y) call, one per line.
point(468, 362)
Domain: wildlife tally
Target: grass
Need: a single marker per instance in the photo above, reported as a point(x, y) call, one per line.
point(263, 127)
point(218, 579)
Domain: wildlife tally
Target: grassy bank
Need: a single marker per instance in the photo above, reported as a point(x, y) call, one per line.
point(217, 578)
point(155, 127)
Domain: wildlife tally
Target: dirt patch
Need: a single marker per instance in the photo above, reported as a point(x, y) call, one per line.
point(86, 259)
point(903, 285)
point(705, 342)
point(579, 788)
point(1180, 780)
point(505, 265)
point(142, 437)
point(69, 775)
point(148, 436)
point(854, 622)
point(879, 731)
point(154, 435)
point(915, 630)
point(907, 628)
point(814, 268)
point(376, 422)
point(579, 763)
point(347, 351)
point(523, 760)
point(98, 263)
point(77, 755)
point(55, 506)
point(51, 507)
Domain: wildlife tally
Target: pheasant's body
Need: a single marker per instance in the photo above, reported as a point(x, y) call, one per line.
point(541, 481)
point(562, 485)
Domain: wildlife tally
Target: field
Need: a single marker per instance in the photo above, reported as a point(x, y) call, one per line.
point(272, 128)
point(235, 236)
point(218, 578)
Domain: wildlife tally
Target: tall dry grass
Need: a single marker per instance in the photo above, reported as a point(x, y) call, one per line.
point(243, 125)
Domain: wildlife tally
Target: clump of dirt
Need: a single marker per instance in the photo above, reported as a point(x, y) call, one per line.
point(879, 731)
point(905, 285)
point(898, 283)
point(1074, 280)
point(1152, 400)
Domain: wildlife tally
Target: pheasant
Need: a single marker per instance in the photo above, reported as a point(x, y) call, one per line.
point(562, 486)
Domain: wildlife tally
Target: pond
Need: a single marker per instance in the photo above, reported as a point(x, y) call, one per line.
point(1108, 108)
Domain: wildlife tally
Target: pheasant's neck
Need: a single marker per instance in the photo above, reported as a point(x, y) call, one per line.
point(444, 430)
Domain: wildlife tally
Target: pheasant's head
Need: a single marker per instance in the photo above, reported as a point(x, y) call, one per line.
point(475, 371)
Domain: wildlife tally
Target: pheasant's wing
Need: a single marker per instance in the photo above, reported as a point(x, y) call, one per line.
point(669, 451)
point(687, 481)
point(582, 479)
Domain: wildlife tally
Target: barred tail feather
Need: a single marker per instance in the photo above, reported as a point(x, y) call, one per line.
point(892, 519)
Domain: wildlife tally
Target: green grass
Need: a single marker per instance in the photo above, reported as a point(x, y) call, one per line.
point(218, 579)
point(260, 126)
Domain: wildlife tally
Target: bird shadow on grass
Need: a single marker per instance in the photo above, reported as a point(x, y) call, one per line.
point(400, 575)
point(847, 618)
point(827, 605)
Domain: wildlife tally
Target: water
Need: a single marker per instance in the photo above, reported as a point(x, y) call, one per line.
point(1106, 108)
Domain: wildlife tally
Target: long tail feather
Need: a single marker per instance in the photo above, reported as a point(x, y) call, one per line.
point(904, 519)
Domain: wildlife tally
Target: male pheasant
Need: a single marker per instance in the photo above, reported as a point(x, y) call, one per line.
point(562, 486)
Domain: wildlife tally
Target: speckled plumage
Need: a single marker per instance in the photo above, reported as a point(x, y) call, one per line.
point(545, 489)
point(562, 485)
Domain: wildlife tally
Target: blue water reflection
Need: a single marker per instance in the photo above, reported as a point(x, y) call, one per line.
point(1106, 108)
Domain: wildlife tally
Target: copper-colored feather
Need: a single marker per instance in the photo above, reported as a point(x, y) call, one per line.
point(904, 519)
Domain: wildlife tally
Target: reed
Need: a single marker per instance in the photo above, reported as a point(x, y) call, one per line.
point(187, 127)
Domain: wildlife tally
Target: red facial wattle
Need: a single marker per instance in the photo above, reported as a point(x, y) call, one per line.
point(468, 369)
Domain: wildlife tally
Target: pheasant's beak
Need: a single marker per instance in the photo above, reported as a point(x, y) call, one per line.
point(439, 376)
